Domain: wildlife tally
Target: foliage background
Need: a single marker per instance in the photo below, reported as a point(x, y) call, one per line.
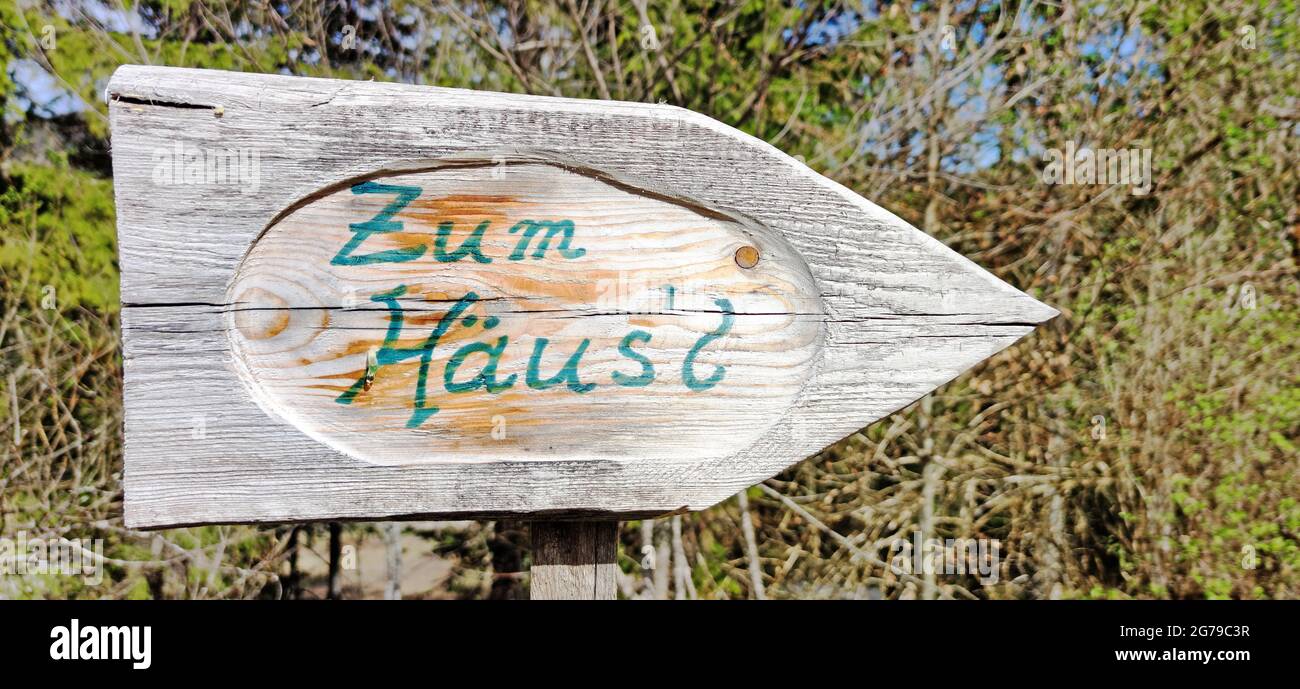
point(1178, 329)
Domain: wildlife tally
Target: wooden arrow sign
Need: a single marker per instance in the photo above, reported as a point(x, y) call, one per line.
point(352, 300)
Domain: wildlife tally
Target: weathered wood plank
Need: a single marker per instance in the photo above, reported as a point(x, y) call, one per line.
point(873, 313)
point(573, 560)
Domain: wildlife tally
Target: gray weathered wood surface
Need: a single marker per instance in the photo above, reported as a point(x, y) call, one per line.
point(897, 313)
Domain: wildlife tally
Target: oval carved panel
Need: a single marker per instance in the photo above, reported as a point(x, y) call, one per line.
point(479, 312)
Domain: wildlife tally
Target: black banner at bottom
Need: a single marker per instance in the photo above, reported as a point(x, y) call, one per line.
point(299, 640)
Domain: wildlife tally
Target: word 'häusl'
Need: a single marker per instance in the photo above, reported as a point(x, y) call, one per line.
point(489, 379)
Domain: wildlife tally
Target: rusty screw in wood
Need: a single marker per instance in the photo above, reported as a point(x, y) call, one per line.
point(746, 257)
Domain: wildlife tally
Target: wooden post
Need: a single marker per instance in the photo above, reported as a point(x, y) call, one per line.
point(573, 560)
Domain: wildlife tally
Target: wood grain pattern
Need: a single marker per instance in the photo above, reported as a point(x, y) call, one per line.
point(573, 560)
point(893, 312)
point(680, 352)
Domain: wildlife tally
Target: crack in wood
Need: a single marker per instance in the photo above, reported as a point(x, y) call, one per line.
point(138, 100)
